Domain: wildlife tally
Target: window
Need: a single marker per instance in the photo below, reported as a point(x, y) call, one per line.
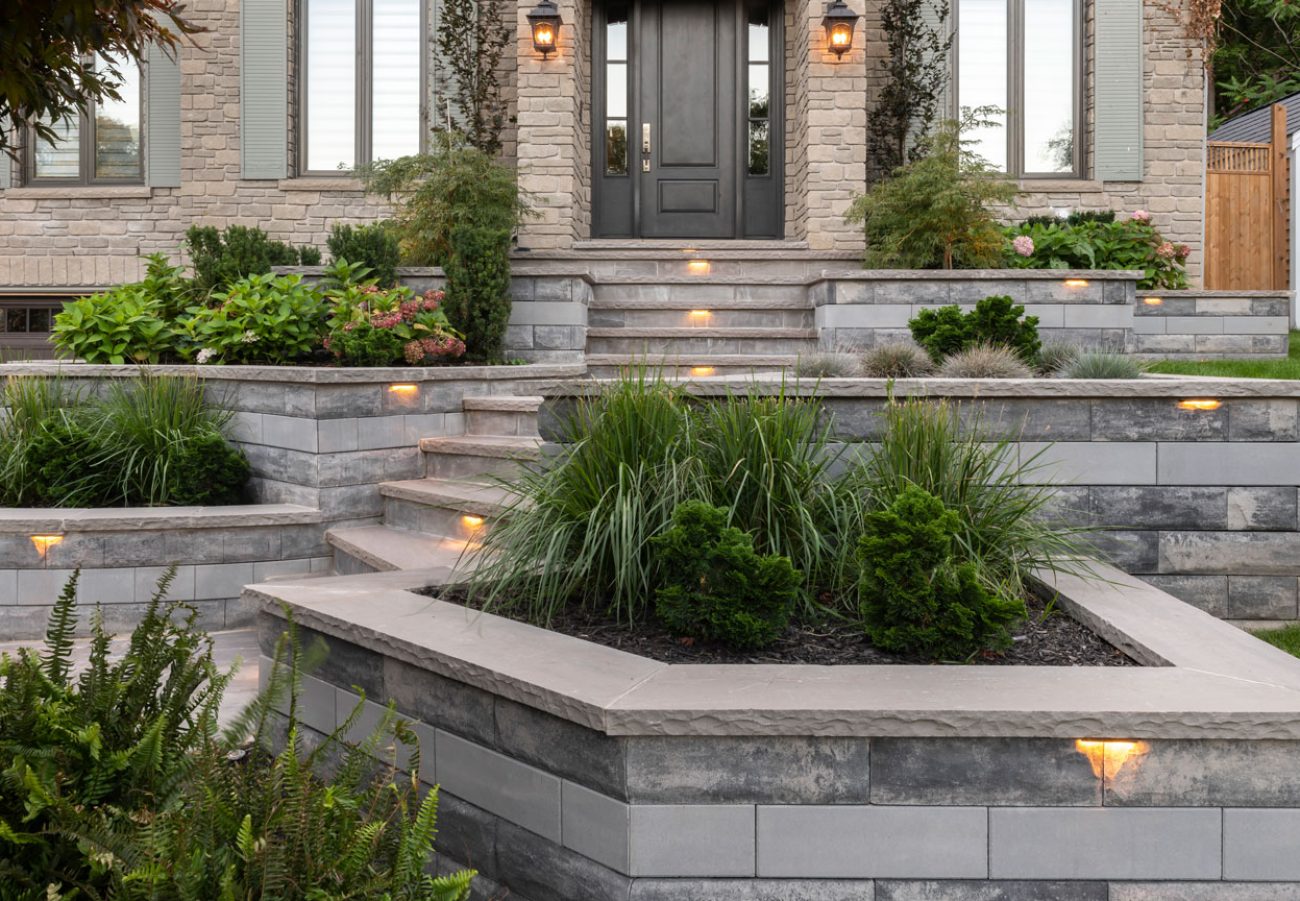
point(758, 110)
point(101, 146)
point(616, 60)
point(1023, 56)
point(362, 74)
point(25, 323)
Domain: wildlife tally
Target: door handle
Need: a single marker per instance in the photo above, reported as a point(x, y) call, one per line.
point(645, 137)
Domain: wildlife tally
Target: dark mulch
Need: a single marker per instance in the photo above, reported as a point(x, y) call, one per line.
point(1046, 638)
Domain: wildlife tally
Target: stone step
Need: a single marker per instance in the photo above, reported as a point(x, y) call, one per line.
point(691, 341)
point(686, 316)
point(700, 293)
point(721, 303)
point(688, 366)
point(464, 457)
point(508, 415)
point(386, 549)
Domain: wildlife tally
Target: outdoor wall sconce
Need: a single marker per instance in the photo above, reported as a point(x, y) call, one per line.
point(839, 22)
point(43, 543)
point(544, 20)
point(1200, 404)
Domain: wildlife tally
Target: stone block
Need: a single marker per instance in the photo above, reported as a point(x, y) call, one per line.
point(693, 840)
point(239, 545)
point(467, 833)
point(1202, 891)
point(559, 337)
point(1261, 844)
point(1261, 509)
point(595, 825)
point(439, 701)
point(1262, 597)
point(345, 665)
point(1220, 463)
point(192, 546)
point(222, 580)
point(1131, 551)
point(106, 586)
point(1100, 316)
point(501, 785)
point(76, 549)
point(842, 842)
point(1104, 843)
point(8, 589)
point(1260, 553)
point(1208, 593)
point(1159, 507)
point(147, 578)
point(913, 291)
point(981, 771)
point(988, 890)
point(784, 770)
point(1039, 419)
point(1255, 325)
point(1094, 463)
point(342, 401)
point(1209, 773)
point(879, 315)
point(264, 571)
point(1262, 420)
point(561, 747)
point(752, 890)
point(1155, 419)
point(382, 432)
point(334, 435)
point(549, 313)
point(532, 867)
point(1194, 325)
point(292, 432)
point(40, 586)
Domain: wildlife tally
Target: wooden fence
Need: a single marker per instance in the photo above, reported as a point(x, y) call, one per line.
point(1247, 223)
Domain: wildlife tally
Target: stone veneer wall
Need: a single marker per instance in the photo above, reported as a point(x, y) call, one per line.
point(1210, 324)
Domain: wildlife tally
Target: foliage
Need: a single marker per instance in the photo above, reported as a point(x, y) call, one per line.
point(1099, 365)
point(826, 365)
point(715, 587)
point(94, 754)
point(1055, 356)
point(478, 289)
point(1256, 60)
point(1076, 217)
point(1132, 243)
point(370, 326)
point(916, 72)
point(896, 360)
point(944, 331)
point(454, 185)
point(472, 38)
point(985, 361)
point(1287, 368)
point(999, 499)
point(936, 211)
point(125, 325)
point(149, 441)
point(265, 318)
point(373, 246)
point(581, 529)
point(46, 50)
point(918, 594)
point(220, 259)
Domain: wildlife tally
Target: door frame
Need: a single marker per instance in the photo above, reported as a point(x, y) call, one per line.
point(628, 224)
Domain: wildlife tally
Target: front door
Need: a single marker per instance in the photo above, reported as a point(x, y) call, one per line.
point(684, 141)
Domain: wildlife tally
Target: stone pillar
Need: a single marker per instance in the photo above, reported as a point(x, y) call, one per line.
point(832, 143)
point(552, 145)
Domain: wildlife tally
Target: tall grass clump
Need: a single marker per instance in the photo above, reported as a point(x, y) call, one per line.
point(29, 404)
point(985, 361)
point(1099, 365)
point(1000, 501)
point(896, 360)
point(826, 365)
point(1056, 356)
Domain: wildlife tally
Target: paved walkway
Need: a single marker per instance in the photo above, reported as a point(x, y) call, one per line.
point(239, 645)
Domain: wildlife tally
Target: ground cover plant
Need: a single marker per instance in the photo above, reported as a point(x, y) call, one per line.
point(116, 782)
point(1288, 368)
point(665, 511)
point(1099, 242)
point(150, 441)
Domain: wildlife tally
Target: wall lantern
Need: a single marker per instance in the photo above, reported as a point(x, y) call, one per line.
point(839, 22)
point(544, 19)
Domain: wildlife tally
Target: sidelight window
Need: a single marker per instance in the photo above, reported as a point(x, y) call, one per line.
point(759, 91)
point(1023, 57)
point(616, 93)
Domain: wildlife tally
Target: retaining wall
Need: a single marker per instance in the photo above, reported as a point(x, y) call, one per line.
point(1211, 324)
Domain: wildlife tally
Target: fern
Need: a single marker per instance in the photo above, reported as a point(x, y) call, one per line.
point(60, 631)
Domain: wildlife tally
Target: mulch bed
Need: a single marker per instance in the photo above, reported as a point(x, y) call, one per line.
point(1044, 639)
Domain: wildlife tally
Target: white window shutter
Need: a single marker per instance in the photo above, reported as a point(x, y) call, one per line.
point(1117, 64)
point(263, 91)
point(163, 118)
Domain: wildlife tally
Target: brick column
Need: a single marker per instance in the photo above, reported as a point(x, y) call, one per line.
point(833, 140)
point(552, 146)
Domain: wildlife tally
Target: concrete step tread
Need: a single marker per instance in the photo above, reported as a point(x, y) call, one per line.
point(654, 331)
point(505, 447)
point(726, 303)
point(693, 359)
point(755, 279)
point(503, 403)
point(387, 549)
point(478, 498)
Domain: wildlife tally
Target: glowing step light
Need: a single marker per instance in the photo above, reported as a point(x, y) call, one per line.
point(703, 371)
point(1199, 404)
point(698, 267)
point(43, 543)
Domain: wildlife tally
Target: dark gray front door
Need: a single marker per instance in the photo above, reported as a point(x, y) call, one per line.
point(685, 127)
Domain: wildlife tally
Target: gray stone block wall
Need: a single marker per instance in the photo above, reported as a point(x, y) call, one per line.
point(1211, 324)
point(573, 813)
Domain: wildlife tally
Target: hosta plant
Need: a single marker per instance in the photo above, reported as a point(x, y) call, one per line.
point(273, 319)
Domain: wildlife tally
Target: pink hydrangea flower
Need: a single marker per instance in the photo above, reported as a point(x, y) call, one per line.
point(1183, 251)
point(1023, 245)
point(1165, 251)
point(413, 351)
point(1141, 216)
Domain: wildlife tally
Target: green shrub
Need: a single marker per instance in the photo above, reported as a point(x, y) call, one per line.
point(985, 361)
point(944, 331)
point(1132, 243)
point(1000, 499)
point(1078, 217)
point(272, 319)
point(936, 211)
point(1099, 365)
point(221, 258)
point(62, 464)
point(918, 594)
point(207, 471)
point(370, 326)
point(715, 587)
point(478, 289)
point(826, 365)
point(125, 325)
point(896, 360)
point(30, 404)
point(373, 246)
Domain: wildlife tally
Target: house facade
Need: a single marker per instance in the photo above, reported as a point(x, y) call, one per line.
point(650, 119)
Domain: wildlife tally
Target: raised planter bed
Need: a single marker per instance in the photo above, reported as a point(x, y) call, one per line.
point(575, 771)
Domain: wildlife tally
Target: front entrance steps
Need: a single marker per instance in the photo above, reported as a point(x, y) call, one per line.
point(433, 521)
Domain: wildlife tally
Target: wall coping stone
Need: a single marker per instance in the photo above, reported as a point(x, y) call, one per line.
point(305, 375)
point(516, 271)
point(1203, 294)
point(36, 520)
point(975, 275)
point(1219, 683)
